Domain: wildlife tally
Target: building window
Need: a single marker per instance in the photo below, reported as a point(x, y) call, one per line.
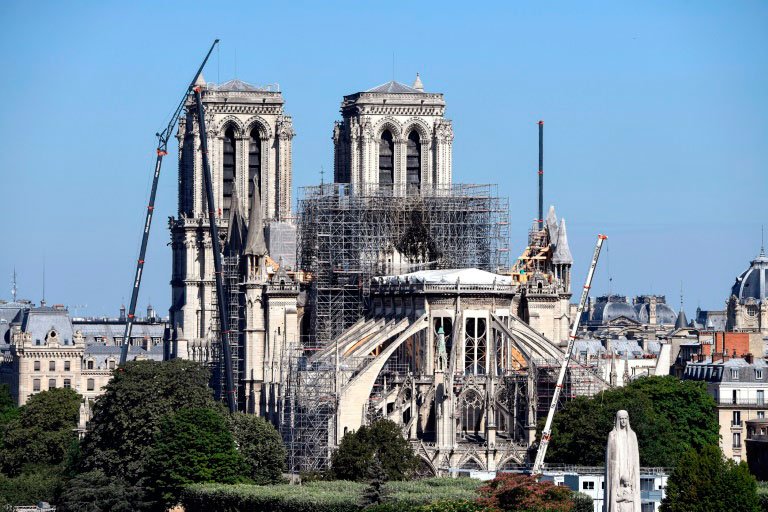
point(228, 170)
point(734, 374)
point(386, 159)
point(472, 412)
point(646, 484)
point(89, 364)
point(36, 366)
point(67, 383)
point(91, 385)
point(66, 366)
point(587, 486)
point(51, 383)
point(52, 366)
point(475, 347)
point(111, 364)
point(36, 385)
point(736, 422)
point(413, 159)
point(761, 414)
point(254, 162)
point(737, 440)
point(759, 374)
point(760, 397)
point(735, 396)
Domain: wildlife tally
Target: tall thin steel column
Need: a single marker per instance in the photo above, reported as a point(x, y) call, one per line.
point(541, 174)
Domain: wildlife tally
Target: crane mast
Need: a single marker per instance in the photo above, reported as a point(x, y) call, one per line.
point(546, 434)
point(162, 150)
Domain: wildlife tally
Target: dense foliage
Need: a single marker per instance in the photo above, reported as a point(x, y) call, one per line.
point(42, 432)
point(96, 492)
point(127, 416)
point(705, 480)
point(515, 492)
point(261, 446)
point(669, 416)
point(339, 496)
point(36, 483)
point(8, 409)
point(357, 451)
point(193, 445)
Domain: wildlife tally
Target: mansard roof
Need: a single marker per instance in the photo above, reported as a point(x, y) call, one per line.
point(393, 87)
point(753, 282)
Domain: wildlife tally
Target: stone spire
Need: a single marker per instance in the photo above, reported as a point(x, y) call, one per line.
point(417, 83)
point(562, 253)
point(236, 231)
point(200, 82)
point(551, 224)
point(254, 244)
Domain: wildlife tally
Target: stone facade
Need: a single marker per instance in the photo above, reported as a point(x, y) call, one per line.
point(249, 140)
point(739, 387)
point(393, 135)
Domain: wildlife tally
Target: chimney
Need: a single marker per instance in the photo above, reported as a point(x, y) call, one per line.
point(749, 358)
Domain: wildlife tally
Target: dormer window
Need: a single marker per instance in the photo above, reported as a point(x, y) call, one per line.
point(52, 336)
point(734, 374)
point(759, 374)
point(89, 364)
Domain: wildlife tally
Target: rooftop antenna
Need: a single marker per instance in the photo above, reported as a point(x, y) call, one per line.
point(762, 240)
point(322, 173)
point(235, 62)
point(13, 287)
point(42, 303)
point(681, 295)
point(393, 66)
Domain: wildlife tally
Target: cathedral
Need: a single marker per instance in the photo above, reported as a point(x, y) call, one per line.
point(400, 303)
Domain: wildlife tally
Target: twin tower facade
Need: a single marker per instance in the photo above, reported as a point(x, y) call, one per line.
point(390, 136)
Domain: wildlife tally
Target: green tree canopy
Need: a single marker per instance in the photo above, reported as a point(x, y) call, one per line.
point(261, 446)
point(705, 480)
point(127, 416)
point(193, 446)
point(96, 492)
point(42, 431)
point(669, 416)
point(357, 451)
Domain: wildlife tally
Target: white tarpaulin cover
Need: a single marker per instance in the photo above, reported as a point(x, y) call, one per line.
point(449, 276)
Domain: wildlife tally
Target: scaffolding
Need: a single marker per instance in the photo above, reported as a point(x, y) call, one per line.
point(348, 235)
point(233, 293)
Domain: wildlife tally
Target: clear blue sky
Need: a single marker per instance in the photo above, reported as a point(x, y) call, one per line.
point(656, 124)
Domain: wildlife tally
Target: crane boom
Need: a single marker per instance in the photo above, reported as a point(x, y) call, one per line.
point(162, 150)
point(547, 432)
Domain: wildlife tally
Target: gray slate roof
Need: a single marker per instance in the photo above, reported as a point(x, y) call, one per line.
point(238, 86)
point(393, 87)
point(752, 282)
point(40, 321)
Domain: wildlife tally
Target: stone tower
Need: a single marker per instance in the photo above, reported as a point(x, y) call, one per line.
point(249, 140)
point(395, 136)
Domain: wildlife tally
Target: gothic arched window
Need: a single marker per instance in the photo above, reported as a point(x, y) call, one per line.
point(228, 171)
point(472, 410)
point(413, 161)
point(475, 346)
point(254, 161)
point(386, 159)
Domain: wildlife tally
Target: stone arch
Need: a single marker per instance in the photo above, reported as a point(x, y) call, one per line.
point(265, 131)
point(225, 123)
point(391, 124)
point(471, 461)
point(426, 468)
point(513, 459)
point(418, 124)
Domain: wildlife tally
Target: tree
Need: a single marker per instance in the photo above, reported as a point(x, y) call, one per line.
point(261, 446)
point(516, 492)
point(668, 415)
point(193, 446)
point(375, 492)
point(36, 483)
point(42, 432)
point(8, 409)
point(96, 492)
point(705, 480)
point(127, 416)
point(357, 450)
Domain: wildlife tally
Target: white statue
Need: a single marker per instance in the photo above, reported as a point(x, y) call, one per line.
point(622, 468)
